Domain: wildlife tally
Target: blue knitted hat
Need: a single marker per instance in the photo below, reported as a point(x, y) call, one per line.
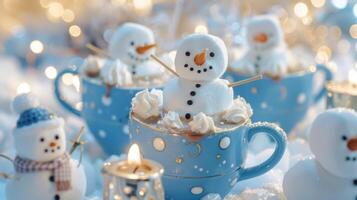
point(31, 115)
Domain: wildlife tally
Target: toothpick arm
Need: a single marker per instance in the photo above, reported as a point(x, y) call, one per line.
point(97, 50)
point(164, 65)
point(245, 81)
point(77, 142)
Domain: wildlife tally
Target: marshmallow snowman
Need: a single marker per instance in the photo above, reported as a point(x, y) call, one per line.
point(266, 51)
point(332, 174)
point(43, 168)
point(200, 60)
point(133, 44)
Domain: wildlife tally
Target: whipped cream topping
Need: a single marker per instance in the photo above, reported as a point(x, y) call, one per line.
point(147, 103)
point(90, 66)
point(202, 124)
point(172, 120)
point(238, 112)
point(115, 73)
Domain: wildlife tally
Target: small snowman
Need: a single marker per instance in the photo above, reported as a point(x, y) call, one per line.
point(197, 95)
point(133, 44)
point(266, 52)
point(332, 174)
point(44, 170)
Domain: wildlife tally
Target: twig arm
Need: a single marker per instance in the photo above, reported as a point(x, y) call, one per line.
point(246, 81)
point(157, 59)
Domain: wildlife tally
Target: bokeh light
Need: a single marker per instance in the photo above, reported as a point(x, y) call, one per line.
point(23, 88)
point(301, 9)
point(51, 72)
point(36, 46)
point(75, 31)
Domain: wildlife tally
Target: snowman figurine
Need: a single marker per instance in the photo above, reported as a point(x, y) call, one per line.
point(332, 174)
point(266, 51)
point(197, 95)
point(133, 44)
point(200, 60)
point(44, 170)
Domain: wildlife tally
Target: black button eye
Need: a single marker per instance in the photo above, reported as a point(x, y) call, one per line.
point(211, 54)
point(344, 138)
point(187, 53)
point(56, 137)
point(132, 43)
point(42, 139)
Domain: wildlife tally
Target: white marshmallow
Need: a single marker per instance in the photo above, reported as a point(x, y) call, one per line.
point(127, 44)
point(331, 174)
point(266, 51)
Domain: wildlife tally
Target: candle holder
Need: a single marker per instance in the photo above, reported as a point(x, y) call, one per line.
point(341, 94)
point(124, 180)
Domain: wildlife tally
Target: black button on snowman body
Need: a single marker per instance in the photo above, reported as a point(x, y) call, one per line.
point(200, 61)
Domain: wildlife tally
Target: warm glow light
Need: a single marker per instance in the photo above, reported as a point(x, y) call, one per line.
point(343, 46)
point(118, 2)
point(340, 4)
point(323, 54)
point(76, 82)
point(74, 31)
point(67, 79)
point(172, 55)
point(51, 72)
point(201, 29)
point(353, 31)
point(134, 157)
point(301, 9)
point(55, 9)
point(68, 16)
point(36, 46)
point(318, 3)
point(23, 88)
point(142, 5)
point(352, 76)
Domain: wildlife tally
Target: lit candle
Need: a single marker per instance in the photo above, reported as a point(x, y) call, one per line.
point(343, 93)
point(133, 178)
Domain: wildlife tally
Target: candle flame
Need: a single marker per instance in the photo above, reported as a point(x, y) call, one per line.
point(134, 157)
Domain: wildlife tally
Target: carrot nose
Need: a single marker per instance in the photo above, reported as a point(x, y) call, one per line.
point(145, 48)
point(53, 144)
point(352, 144)
point(261, 37)
point(200, 58)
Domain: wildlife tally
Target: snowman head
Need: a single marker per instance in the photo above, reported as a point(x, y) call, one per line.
point(201, 57)
point(333, 140)
point(132, 44)
point(39, 134)
point(263, 32)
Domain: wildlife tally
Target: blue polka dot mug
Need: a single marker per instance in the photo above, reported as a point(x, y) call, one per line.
point(211, 163)
point(284, 101)
point(106, 117)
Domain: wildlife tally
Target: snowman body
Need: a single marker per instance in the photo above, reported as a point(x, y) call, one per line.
point(40, 143)
point(307, 180)
point(133, 44)
point(266, 51)
point(270, 62)
point(332, 174)
point(40, 185)
point(192, 97)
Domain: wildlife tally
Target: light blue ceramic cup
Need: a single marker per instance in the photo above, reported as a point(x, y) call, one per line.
point(284, 101)
point(212, 164)
point(108, 122)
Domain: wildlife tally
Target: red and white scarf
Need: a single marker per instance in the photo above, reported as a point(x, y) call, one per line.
point(60, 167)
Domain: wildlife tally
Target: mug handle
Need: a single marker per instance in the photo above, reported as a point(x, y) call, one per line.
point(328, 76)
point(278, 136)
point(58, 95)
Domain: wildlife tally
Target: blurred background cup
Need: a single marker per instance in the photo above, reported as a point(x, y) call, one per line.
point(285, 101)
point(106, 117)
